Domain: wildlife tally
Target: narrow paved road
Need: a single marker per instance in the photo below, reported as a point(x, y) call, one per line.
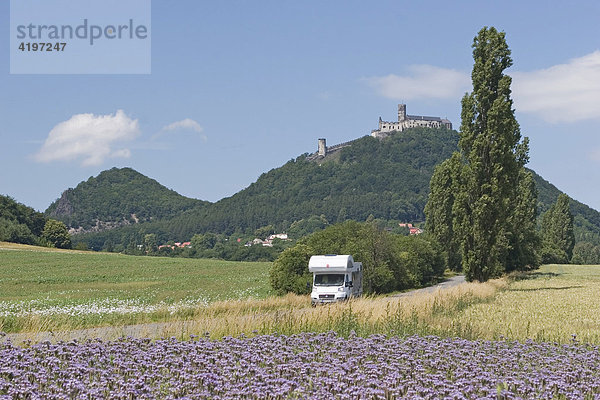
point(166, 329)
point(448, 283)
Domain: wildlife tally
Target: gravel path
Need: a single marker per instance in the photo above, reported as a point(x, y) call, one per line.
point(178, 329)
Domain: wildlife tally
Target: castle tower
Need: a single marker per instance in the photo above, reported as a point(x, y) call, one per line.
point(401, 112)
point(322, 147)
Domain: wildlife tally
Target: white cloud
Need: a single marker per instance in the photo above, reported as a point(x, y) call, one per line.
point(562, 93)
point(423, 82)
point(89, 137)
point(121, 153)
point(184, 124)
point(568, 92)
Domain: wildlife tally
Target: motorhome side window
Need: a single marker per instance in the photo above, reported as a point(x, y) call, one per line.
point(329, 279)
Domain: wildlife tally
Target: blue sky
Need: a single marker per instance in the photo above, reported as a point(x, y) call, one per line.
point(240, 87)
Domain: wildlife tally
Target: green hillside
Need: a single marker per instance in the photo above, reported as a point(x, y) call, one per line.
point(586, 219)
point(119, 196)
point(388, 179)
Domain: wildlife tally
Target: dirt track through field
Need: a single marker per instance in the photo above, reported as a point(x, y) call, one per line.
point(178, 329)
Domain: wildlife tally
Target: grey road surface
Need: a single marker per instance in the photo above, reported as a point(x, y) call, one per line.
point(448, 283)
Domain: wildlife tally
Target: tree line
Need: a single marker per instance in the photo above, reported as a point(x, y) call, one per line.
point(22, 224)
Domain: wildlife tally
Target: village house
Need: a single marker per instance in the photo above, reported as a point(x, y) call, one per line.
point(412, 230)
point(268, 242)
point(180, 245)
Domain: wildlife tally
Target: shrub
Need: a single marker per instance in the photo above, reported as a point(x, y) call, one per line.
point(289, 272)
point(56, 233)
point(390, 262)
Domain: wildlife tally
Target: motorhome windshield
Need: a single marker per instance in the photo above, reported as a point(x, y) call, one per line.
point(329, 280)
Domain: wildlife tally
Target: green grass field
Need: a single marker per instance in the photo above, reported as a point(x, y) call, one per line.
point(99, 288)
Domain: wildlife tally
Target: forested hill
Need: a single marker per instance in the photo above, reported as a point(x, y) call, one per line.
point(116, 197)
point(388, 179)
point(586, 219)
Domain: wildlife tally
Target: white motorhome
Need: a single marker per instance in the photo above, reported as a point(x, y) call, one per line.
point(335, 278)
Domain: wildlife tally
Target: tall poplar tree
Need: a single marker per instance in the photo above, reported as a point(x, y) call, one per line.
point(524, 240)
point(490, 191)
point(445, 183)
point(557, 232)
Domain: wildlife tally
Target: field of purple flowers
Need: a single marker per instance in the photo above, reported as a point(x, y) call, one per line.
point(309, 365)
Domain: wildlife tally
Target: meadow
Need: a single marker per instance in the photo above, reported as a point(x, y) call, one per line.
point(62, 291)
point(49, 289)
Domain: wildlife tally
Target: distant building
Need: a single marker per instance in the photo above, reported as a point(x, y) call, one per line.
point(177, 244)
point(268, 242)
point(415, 231)
point(412, 230)
point(324, 150)
point(385, 129)
point(408, 121)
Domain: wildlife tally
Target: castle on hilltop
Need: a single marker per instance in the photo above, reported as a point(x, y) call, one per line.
point(408, 121)
point(386, 129)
